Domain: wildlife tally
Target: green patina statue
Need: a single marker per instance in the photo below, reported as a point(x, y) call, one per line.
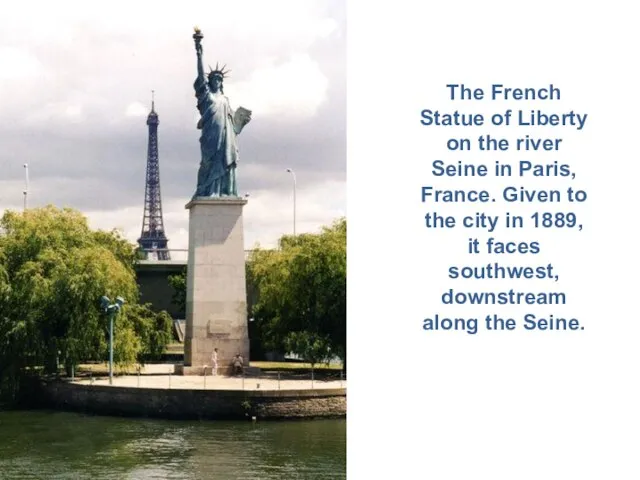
point(220, 126)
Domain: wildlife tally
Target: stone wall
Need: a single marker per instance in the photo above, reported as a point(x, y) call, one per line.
point(196, 404)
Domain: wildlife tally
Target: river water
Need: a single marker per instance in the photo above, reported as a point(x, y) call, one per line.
point(60, 445)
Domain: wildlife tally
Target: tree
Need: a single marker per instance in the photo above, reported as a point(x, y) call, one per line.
point(312, 347)
point(301, 293)
point(53, 271)
point(179, 284)
point(154, 329)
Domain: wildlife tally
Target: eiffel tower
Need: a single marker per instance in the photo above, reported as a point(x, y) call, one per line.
point(153, 241)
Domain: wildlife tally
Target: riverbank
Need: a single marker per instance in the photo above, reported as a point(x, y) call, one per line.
point(198, 397)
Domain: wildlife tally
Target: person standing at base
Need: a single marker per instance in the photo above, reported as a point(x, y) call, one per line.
point(214, 362)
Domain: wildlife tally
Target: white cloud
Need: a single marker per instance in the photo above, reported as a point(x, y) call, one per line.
point(137, 109)
point(128, 220)
point(295, 88)
point(58, 112)
point(73, 111)
point(11, 192)
point(16, 64)
point(326, 27)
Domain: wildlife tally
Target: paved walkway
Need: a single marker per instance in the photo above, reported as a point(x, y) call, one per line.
point(160, 376)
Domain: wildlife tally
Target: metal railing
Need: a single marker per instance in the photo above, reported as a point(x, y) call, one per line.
point(280, 380)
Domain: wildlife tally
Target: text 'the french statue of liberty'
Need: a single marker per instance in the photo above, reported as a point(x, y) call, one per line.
point(220, 126)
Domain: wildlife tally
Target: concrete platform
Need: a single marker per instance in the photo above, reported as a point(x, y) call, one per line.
point(199, 397)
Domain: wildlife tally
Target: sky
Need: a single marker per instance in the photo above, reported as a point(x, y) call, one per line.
point(75, 92)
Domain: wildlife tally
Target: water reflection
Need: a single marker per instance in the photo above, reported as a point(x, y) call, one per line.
point(60, 445)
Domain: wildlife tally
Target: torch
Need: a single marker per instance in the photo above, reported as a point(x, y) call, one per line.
point(197, 36)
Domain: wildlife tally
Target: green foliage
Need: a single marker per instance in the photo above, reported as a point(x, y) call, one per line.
point(312, 347)
point(179, 285)
point(53, 271)
point(154, 329)
point(301, 293)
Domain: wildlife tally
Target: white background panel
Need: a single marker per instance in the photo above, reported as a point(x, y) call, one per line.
point(495, 405)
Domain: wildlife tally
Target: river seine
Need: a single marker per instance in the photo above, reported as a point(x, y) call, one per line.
point(59, 445)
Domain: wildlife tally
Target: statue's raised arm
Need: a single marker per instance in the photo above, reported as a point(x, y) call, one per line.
point(197, 38)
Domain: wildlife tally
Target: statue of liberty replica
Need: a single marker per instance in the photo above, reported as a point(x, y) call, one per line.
point(220, 126)
point(216, 307)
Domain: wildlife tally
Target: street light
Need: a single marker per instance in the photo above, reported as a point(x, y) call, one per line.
point(111, 310)
point(25, 192)
point(294, 199)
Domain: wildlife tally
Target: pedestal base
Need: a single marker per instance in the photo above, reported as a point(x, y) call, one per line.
point(216, 313)
point(204, 370)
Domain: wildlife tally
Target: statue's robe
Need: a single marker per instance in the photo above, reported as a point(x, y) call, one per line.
point(218, 145)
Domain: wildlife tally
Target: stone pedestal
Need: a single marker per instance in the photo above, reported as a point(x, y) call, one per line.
point(216, 285)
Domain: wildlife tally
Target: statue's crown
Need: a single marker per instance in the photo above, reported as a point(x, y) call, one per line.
point(220, 72)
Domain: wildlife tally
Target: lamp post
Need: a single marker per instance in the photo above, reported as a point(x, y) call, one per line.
point(111, 310)
point(26, 184)
point(294, 199)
